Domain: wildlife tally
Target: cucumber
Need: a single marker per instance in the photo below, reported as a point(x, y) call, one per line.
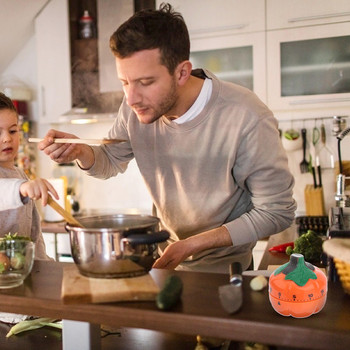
point(170, 293)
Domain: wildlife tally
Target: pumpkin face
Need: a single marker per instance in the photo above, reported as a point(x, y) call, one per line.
point(298, 289)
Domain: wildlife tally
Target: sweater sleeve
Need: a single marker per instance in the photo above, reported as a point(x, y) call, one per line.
point(10, 196)
point(262, 171)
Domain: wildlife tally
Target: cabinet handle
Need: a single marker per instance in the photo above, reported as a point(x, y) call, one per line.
point(320, 100)
point(43, 102)
point(313, 18)
point(218, 29)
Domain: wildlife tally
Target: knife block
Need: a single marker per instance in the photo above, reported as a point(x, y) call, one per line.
point(314, 201)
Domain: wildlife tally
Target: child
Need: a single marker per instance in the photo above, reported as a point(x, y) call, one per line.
point(18, 212)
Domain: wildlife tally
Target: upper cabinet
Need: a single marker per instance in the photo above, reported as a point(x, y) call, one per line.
point(288, 14)
point(228, 38)
point(210, 18)
point(239, 59)
point(108, 19)
point(53, 58)
point(309, 67)
point(68, 65)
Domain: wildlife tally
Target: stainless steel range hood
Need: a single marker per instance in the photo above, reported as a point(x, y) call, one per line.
point(86, 116)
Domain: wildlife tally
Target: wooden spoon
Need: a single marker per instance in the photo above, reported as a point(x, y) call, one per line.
point(66, 215)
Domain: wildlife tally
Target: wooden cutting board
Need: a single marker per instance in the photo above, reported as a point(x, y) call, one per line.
point(77, 288)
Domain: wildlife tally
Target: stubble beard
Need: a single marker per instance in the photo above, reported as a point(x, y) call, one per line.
point(165, 106)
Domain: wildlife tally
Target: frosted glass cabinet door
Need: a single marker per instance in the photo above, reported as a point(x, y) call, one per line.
point(238, 58)
point(315, 66)
point(231, 64)
point(309, 67)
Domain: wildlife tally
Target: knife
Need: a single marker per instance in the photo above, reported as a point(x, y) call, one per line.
point(314, 176)
point(231, 294)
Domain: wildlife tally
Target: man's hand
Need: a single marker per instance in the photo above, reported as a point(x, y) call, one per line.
point(38, 188)
point(173, 255)
point(177, 252)
point(66, 152)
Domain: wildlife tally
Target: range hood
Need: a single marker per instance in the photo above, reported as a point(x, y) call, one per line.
point(86, 116)
point(95, 108)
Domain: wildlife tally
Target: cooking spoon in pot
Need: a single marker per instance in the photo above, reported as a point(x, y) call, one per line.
point(66, 215)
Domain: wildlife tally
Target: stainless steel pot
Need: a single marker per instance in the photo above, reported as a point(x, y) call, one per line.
point(120, 245)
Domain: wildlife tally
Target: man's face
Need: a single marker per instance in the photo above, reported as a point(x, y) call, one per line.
point(149, 88)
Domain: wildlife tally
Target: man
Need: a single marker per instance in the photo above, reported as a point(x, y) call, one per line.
point(209, 151)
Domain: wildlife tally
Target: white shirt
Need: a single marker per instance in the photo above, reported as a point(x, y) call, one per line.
point(199, 104)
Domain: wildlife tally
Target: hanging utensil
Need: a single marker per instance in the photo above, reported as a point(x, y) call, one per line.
point(325, 154)
point(304, 165)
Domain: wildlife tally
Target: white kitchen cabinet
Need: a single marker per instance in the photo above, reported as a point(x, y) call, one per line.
point(111, 13)
point(240, 59)
point(287, 14)
point(53, 58)
point(309, 67)
point(206, 18)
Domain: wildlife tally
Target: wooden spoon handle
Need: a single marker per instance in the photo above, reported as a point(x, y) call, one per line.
point(66, 215)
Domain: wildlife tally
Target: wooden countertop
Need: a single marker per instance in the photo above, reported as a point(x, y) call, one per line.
point(256, 320)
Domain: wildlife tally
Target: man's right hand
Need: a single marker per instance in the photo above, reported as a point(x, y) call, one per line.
point(66, 152)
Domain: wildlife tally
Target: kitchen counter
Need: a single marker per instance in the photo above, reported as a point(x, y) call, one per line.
point(256, 320)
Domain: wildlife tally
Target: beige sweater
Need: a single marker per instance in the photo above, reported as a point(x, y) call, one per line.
point(225, 167)
point(17, 215)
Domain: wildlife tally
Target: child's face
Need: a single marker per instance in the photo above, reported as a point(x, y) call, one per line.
point(9, 138)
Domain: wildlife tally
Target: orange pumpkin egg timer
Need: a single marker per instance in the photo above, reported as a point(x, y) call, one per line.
point(297, 288)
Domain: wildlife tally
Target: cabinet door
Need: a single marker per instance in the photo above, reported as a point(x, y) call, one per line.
point(309, 68)
point(53, 57)
point(111, 14)
point(296, 13)
point(236, 58)
point(207, 17)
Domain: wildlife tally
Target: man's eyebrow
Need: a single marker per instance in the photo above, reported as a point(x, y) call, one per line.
point(138, 79)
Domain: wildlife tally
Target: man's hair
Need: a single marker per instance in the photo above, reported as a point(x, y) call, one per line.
point(162, 29)
point(6, 103)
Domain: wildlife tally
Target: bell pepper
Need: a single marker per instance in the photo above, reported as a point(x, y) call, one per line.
point(282, 247)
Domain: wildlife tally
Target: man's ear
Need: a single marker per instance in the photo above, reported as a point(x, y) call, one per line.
point(183, 72)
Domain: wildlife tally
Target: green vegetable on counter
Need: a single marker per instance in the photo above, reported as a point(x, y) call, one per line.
point(308, 244)
point(29, 325)
point(170, 293)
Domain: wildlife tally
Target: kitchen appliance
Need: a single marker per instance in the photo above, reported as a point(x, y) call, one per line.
point(339, 227)
point(113, 246)
point(65, 214)
point(50, 214)
point(231, 294)
point(297, 288)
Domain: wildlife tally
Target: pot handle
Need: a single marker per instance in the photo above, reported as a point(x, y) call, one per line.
point(147, 238)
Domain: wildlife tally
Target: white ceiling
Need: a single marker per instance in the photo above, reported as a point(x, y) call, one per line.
point(16, 26)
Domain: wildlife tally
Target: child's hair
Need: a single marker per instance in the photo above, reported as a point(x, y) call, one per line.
point(6, 103)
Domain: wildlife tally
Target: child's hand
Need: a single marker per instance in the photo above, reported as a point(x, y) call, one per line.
point(38, 188)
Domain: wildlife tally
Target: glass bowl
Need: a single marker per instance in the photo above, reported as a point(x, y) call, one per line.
point(16, 261)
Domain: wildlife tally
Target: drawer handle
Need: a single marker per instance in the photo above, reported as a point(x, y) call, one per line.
point(320, 100)
point(313, 18)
